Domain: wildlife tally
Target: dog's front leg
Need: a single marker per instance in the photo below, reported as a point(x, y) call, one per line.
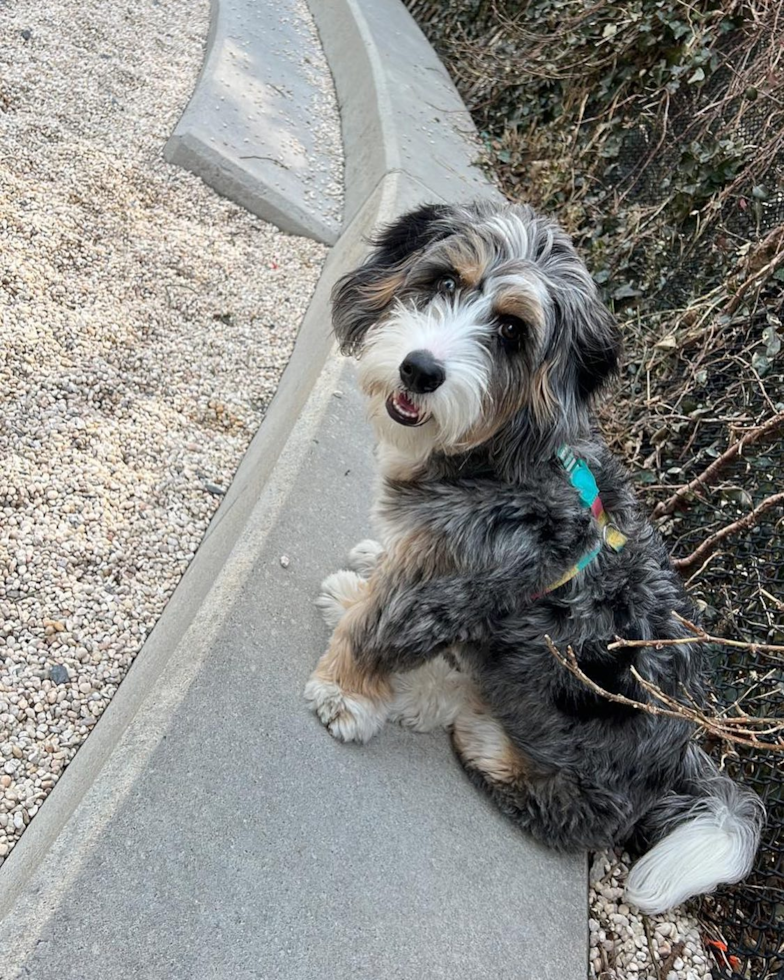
point(351, 690)
point(388, 625)
point(381, 630)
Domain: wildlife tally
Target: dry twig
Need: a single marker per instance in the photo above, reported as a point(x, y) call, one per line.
point(740, 730)
point(758, 432)
point(699, 635)
point(741, 525)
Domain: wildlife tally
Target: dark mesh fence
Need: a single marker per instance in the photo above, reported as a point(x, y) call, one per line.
point(682, 404)
point(740, 592)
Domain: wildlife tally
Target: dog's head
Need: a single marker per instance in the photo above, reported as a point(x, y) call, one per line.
point(475, 325)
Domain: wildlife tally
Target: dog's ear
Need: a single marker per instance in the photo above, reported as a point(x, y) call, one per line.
point(582, 350)
point(582, 355)
point(362, 296)
point(596, 345)
point(583, 345)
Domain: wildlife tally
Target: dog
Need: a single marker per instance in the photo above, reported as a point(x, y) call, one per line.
point(504, 520)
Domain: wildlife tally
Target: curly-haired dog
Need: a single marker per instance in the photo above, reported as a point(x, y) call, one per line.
point(482, 342)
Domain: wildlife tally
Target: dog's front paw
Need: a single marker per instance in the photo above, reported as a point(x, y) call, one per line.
point(348, 717)
point(339, 591)
point(364, 557)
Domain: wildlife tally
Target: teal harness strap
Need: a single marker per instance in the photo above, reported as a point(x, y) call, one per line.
point(583, 481)
point(580, 476)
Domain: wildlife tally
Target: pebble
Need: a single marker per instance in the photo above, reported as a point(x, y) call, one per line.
point(120, 388)
point(619, 930)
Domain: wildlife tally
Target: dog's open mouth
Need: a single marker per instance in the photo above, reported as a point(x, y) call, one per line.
point(402, 410)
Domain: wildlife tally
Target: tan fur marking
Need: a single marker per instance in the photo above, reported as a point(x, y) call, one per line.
point(419, 554)
point(470, 259)
point(520, 304)
point(338, 665)
point(482, 744)
point(380, 294)
point(542, 399)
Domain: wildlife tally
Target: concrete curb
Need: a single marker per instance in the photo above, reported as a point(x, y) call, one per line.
point(251, 129)
point(400, 112)
point(383, 146)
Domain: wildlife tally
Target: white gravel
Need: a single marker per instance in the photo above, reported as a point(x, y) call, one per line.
point(145, 324)
point(621, 947)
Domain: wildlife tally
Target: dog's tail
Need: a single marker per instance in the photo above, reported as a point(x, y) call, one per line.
point(704, 837)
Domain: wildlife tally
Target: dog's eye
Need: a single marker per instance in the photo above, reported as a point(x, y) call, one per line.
point(510, 330)
point(447, 284)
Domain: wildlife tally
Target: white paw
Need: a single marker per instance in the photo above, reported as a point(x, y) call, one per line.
point(429, 697)
point(339, 591)
point(349, 717)
point(364, 556)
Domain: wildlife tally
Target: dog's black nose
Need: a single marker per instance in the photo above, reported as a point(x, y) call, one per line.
point(421, 372)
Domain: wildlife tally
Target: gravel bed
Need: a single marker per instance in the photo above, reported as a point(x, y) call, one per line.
point(626, 944)
point(145, 324)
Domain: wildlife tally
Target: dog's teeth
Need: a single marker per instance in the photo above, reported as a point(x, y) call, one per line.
point(405, 411)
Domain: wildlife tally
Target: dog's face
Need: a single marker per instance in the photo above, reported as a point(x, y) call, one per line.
point(475, 324)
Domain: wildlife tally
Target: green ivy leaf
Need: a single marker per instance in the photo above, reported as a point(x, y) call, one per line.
point(760, 363)
point(645, 476)
point(772, 341)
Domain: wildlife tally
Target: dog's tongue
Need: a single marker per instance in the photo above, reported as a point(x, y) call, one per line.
point(406, 404)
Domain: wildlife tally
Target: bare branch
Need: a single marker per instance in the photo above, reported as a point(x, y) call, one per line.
point(768, 428)
point(741, 525)
point(741, 730)
point(700, 636)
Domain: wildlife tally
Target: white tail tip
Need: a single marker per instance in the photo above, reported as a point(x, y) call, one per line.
point(714, 845)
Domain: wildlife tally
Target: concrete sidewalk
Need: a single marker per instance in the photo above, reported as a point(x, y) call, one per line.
point(229, 836)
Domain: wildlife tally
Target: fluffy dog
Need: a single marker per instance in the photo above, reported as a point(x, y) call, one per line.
point(482, 343)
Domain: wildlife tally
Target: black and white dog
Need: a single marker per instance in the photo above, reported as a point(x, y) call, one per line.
point(482, 343)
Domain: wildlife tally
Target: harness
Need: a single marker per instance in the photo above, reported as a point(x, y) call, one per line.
point(582, 479)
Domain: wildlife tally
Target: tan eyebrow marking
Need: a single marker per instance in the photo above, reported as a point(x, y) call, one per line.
point(523, 305)
point(381, 292)
point(470, 258)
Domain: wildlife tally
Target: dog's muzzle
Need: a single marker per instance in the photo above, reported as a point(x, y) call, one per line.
point(421, 373)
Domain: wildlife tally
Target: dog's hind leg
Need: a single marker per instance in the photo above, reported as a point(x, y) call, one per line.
point(365, 556)
point(552, 806)
point(485, 750)
point(430, 696)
